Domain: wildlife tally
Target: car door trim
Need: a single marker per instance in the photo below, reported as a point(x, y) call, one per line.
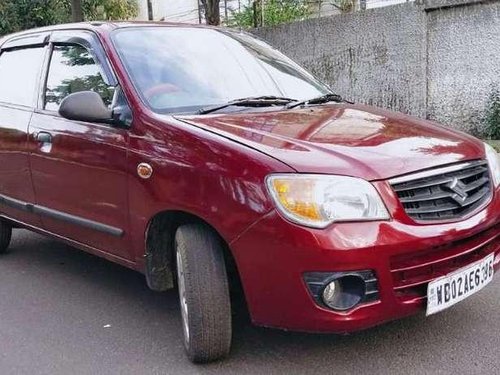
point(37, 39)
point(59, 215)
point(80, 245)
point(16, 203)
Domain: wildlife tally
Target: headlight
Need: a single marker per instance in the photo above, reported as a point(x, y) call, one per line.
point(319, 200)
point(494, 162)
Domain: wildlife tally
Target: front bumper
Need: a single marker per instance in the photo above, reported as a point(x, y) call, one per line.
point(273, 255)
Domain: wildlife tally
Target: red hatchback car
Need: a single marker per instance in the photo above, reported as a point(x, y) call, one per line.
point(203, 157)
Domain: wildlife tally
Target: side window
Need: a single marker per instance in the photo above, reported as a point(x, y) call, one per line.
point(73, 69)
point(19, 73)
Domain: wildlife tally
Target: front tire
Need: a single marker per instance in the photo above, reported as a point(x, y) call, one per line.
point(203, 293)
point(5, 236)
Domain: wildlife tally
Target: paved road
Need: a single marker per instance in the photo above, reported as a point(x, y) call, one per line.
point(66, 312)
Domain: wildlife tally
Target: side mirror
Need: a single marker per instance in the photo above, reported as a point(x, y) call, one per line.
point(85, 106)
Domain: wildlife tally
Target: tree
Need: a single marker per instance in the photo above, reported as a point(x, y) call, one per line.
point(8, 20)
point(212, 11)
point(16, 15)
point(76, 11)
point(92, 81)
point(347, 6)
point(270, 13)
point(109, 9)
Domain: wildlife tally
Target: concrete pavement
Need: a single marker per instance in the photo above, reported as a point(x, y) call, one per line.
point(63, 311)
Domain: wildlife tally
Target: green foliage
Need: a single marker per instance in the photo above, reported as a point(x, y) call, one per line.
point(109, 9)
point(8, 22)
point(275, 12)
point(492, 117)
point(17, 15)
point(495, 144)
point(88, 83)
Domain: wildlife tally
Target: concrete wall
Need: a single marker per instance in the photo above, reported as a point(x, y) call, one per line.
point(463, 63)
point(438, 59)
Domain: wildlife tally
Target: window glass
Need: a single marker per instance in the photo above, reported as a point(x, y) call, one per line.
point(73, 69)
point(188, 68)
point(19, 71)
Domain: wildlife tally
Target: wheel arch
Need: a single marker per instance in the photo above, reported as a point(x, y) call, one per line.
point(159, 248)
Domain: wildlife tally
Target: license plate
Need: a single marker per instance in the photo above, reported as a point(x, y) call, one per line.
point(457, 286)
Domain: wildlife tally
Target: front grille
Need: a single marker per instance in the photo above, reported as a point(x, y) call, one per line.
point(412, 272)
point(445, 193)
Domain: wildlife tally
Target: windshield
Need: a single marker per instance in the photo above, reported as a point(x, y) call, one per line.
point(184, 69)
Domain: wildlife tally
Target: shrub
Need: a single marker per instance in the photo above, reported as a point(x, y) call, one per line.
point(275, 12)
point(492, 118)
point(17, 15)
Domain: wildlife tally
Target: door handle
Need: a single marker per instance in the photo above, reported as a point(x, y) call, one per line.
point(43, 137)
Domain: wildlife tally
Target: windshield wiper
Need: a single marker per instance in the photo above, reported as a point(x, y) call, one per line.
point(258, 101)
point(319, 100)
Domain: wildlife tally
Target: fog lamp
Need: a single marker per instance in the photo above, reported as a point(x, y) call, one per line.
point(329, 293)
point(344, 293)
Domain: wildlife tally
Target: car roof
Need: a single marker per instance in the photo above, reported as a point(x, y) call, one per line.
point(101, 27)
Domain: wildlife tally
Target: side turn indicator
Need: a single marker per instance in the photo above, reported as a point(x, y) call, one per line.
point(144, 170)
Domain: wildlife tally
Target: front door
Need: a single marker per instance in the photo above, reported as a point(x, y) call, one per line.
point(79, 169)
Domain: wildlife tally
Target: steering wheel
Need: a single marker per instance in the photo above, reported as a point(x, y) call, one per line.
point(164, 88)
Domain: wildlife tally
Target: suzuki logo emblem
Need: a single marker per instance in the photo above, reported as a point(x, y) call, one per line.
point(458, 187)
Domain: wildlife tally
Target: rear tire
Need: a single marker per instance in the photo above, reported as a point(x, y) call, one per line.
point(203, 293)
point(5, 236)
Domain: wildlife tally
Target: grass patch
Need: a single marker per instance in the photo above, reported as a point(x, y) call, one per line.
point(495, 144)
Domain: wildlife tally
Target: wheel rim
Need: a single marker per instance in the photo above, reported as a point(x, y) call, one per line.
point(182, 296)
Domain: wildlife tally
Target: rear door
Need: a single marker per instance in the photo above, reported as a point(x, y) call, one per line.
point(79, 169)
point(21, 63)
